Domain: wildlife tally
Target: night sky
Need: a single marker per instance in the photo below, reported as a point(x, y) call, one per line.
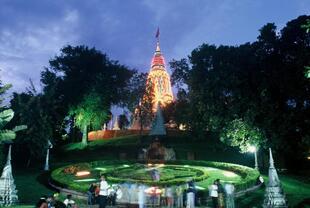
point(33, 31)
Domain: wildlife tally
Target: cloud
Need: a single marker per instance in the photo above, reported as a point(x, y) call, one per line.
point(24, 51)
point(33, 31)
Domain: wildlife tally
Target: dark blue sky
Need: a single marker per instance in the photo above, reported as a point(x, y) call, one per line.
point(33, 31)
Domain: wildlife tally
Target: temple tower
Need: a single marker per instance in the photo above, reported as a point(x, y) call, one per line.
point(159, 80)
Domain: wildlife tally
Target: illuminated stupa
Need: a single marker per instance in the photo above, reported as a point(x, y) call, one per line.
point(159, 80)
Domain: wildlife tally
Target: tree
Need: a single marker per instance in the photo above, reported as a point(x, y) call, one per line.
point(91, 111)
point(123, 121)
point(75, 74)
point(30, 108)
point(262, 84)
point(240, 134)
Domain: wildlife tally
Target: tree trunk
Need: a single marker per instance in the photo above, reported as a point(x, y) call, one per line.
point(85, 135)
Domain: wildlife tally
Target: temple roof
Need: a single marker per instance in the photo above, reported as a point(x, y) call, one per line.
point(158, 58)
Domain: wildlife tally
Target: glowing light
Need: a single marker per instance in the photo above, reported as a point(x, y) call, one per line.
point(160, 165)
point(126, 166)
point(85, 180)
point(149, 164)
point(199, 188)
point(308, 157)
point(153, 190)
point(229, 174)
point(252, 148)
point(82, 173)
point(186, 166)
point(99, 168)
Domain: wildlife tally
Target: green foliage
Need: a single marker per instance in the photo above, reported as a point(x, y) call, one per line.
point(31, 109)
point(92, 110)
point(76, 75)
point(240, 134)
point(5, 117)
point(261, 83)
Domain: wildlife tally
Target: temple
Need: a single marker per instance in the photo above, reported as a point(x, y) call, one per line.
point(158, 88)
point(159, 80)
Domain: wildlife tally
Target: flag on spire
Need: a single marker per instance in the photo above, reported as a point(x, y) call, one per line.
point(157, 33)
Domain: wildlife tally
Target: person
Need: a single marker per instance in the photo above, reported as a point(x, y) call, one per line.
point(229, 190)
point(190, 195)
point(169, 196)
point(103, 193)
point(141, 196)
point(163, 199)
point(50, 201)
point(213, 194)
point(220, 190)
point(69, 202)
point(42, 203)
point(91, 194)
point(179, 194)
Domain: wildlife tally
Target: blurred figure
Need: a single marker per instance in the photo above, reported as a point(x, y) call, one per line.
point(220, 190)
point(103, 193)
point(169, 197)
point(91, 194)
point(190, 195)
point(163, 199)
point(50, 201)
point(42, 203)
point(69, 202)
point(141, 196)
point(179, 195)
point(230, 191)
point(214, 194)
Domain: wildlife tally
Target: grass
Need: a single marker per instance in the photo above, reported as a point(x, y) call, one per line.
point(172, 173)
point(30, 185)
point(296, 189)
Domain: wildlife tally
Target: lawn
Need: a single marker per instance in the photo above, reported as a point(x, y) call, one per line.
point(30, 182)
point(31, 185)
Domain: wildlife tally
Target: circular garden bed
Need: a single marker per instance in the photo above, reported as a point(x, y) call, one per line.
point(79, 176)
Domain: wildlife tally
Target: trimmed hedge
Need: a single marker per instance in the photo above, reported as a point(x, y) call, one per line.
point(59, 176)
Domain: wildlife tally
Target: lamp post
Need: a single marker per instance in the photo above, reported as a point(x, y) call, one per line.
point(49, 146)
point(254, 150)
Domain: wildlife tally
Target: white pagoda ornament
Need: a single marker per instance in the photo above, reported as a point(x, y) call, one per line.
point(274, 196)
point(116, 126)
point(8, 192)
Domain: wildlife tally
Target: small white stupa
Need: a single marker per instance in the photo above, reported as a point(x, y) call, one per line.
point(8, 192)
point(274, 196)
point(116, 126)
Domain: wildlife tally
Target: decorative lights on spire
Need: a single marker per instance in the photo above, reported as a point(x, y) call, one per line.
point(159, 78)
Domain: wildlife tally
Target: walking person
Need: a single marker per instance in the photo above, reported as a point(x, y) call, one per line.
point(213, 194)
point(169, 197)
point(141, 196)
point(190, 201)
point(221, 192)
point(103, 193)
point(230, 192)
point(179, 195)
point(91, 194)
